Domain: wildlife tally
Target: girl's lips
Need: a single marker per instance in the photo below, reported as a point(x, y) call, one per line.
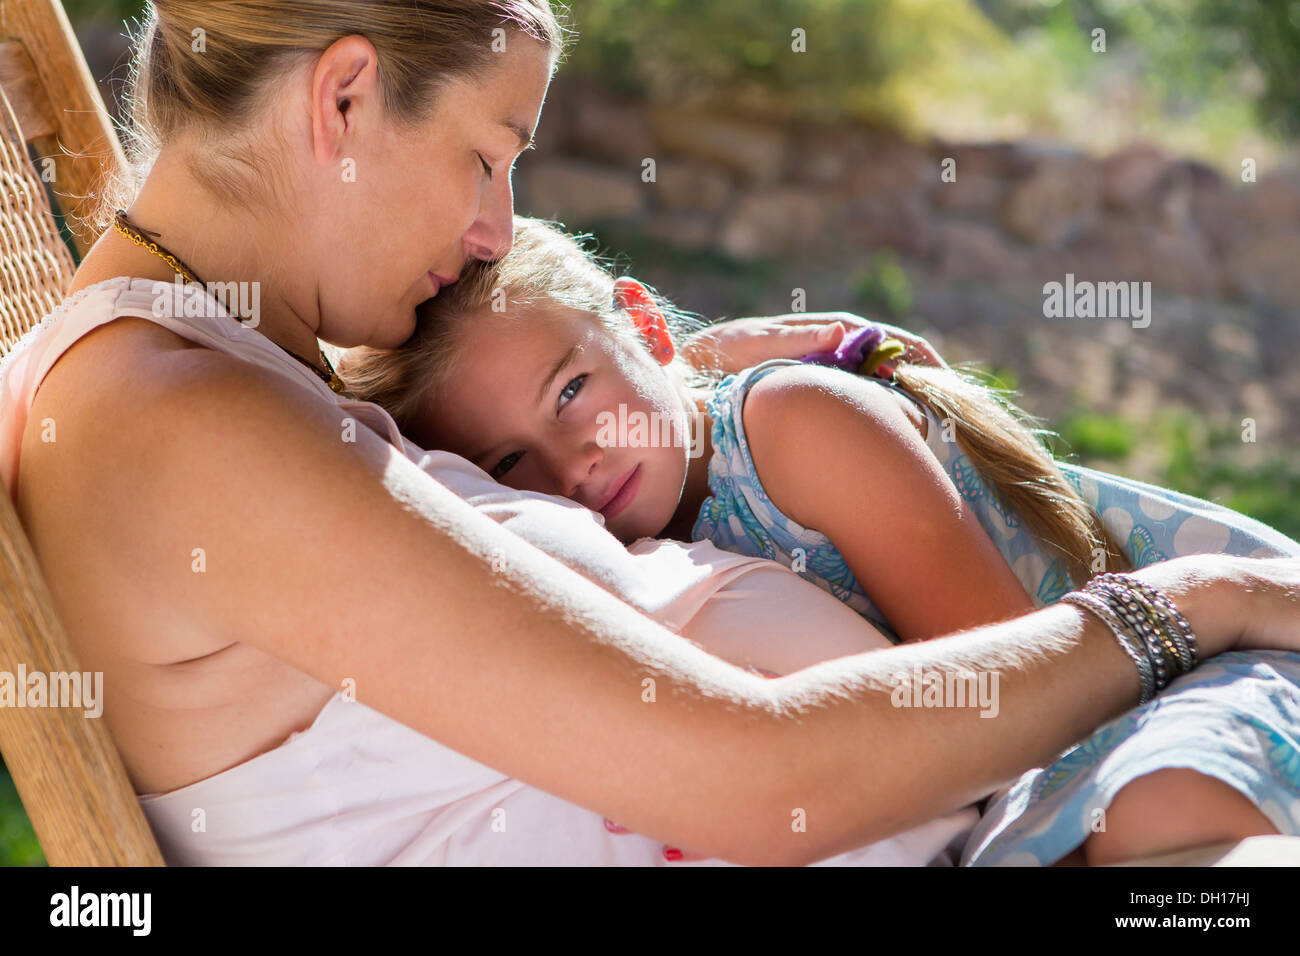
point(624, 495)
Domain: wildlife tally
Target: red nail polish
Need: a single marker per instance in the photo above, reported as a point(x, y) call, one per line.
point(672, 855)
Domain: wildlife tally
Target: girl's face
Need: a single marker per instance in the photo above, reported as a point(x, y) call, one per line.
point(546, 399)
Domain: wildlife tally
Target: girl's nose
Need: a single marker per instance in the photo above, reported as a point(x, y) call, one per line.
point(578, 469)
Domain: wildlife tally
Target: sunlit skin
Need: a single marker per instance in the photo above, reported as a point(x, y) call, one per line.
point(214, 669)
point(455, 171)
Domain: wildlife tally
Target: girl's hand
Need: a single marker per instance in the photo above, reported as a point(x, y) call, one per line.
point(741, 343)
point(673, 854)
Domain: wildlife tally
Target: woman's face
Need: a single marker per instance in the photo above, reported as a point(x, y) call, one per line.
point(405, 208)
point(546, 399)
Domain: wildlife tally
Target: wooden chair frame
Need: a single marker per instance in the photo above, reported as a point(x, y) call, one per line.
point(65, 766)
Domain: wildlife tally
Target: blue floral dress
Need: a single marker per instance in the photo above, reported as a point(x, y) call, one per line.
point(1236, 717)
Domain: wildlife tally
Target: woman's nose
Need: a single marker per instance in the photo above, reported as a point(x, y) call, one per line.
point(492, 233)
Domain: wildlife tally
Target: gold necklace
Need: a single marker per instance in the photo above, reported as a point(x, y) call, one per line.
point(130, 230)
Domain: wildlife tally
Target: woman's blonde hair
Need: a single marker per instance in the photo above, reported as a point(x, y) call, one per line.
point(545, 265)
point(206, 66)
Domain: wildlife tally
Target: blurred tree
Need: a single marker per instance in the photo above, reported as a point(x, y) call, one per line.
point(1193, 48)
point(817, 59)
point(1269, 30)
point(103, 9)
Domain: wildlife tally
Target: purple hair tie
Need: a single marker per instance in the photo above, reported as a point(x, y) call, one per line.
point(861, 350)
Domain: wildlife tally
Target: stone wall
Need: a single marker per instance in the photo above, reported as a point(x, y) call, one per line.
point(812, 204)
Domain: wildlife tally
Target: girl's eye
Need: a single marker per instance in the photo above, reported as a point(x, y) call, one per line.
point(571, 390)
point(505, 464)
point(487, 167)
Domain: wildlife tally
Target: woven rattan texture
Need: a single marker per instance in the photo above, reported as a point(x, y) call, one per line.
point(35, 265)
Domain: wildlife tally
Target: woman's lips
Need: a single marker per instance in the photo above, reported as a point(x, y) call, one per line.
point(435, 282)
point(626, 491)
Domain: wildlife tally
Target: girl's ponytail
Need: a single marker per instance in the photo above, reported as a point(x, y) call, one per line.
point(1013, 462)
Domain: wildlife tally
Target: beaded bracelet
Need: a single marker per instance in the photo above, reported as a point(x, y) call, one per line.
point(1150, 629)
point(1132, 647)
point(1157, 620)
point(1141, 621)
point(1184, 628)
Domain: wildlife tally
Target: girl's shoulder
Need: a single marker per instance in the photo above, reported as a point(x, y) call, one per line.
point(728, 396)
point(790, 397)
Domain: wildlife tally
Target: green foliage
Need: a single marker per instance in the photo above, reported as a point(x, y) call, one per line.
point(1268, 32)
point(1182, 453)
point(885, 285)
point(1196, 55)
point(1095, 435)
point(103, 9)
point(18, 846)
point(1206, 462)
point(733, 49)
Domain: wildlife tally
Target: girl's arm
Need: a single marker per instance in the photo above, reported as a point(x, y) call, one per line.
point(842, 455)
point(342, 558)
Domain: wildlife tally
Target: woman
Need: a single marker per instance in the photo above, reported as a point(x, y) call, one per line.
point(250, 559)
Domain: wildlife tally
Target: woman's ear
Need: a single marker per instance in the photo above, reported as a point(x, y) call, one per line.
point(347, 73)
point(636, 300)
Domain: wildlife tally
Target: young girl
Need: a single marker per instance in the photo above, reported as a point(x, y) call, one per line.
point(923, 502)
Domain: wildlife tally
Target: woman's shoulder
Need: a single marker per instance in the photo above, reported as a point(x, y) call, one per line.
point(110, 385)
point(102, 353)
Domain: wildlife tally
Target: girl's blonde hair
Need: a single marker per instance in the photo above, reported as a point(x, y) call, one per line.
point(545, 265)
point(1001, 443)
point(207, 66)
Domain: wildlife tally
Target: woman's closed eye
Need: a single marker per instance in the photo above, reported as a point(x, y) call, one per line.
point(487, 167)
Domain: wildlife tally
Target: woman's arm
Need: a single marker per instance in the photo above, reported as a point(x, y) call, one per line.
point(345, 560)
point(839, 454)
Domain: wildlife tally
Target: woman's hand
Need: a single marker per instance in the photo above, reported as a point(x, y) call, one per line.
point(1272, 589)
point(742, 343)
point(1234, 604)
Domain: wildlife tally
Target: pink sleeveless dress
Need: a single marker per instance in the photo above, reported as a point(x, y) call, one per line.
point(358, 788)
